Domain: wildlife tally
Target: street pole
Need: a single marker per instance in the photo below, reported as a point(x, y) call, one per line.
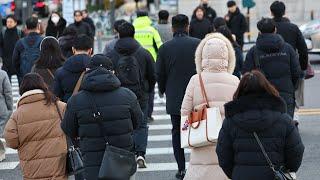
point(112, 12)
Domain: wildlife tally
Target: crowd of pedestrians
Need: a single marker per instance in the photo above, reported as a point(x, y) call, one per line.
point(72, 100)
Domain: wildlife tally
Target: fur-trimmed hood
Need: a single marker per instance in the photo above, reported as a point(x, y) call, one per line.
point(215, 53)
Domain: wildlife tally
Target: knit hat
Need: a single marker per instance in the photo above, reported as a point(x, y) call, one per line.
point(100, 60)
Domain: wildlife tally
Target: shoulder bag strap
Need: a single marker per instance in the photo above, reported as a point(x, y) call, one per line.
point(97, 116)
point(203, 90)
point(264, 151)
point(50, 73)
point(77, 87)
point(256, 58)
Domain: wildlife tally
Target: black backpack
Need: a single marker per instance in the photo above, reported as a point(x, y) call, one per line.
point(129, 73)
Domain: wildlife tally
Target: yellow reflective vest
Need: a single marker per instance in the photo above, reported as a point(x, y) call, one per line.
point(146, 35)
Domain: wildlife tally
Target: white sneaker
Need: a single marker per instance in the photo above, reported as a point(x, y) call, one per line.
point(141, 162)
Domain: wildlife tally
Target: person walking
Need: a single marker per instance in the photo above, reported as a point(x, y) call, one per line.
point(147, 35)
point(210, 13)
point(215, 62)
point(128, 48)
point(163, 26)
point(56, 25)
point(119, 109)
point(236, 22)
point(111, 43)
point(293, 36)
point(67, 76)
point(277, 60)
point(50, 60)
point(258, 110)
point(218, 22)
point(239, 54)
point(27, 49)
point(6, 105)
point(66, 41)
point(88, 20)
point(175, 66)
point(34, 129)
point(200, 26)
point(81, 26)
point(8, 39)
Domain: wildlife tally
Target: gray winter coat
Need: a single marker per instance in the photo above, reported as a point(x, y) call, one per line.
point(6, 102)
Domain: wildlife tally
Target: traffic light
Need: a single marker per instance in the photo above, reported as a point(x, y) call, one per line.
point(248, 3)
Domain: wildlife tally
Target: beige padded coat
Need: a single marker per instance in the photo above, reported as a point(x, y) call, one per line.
point(34, 129)
point(215, 60)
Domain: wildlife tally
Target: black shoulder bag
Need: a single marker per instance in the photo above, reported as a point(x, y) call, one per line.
point(74, 158)
point(117, 163)
point(278, 174)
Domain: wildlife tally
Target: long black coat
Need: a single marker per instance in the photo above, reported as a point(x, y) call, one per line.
point(238, 152)
point(292, 35)
point(200, 28)
point(67, 76)
point(120, 111)
point(238, 25)
point(91, 23)
point(7, 44)
point(174, 67)
point(128, 46)
point(82, 28)
point(279, 63)
point(56, 30)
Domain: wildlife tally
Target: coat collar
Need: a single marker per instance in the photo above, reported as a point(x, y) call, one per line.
point(255, 102)
point(31, 96)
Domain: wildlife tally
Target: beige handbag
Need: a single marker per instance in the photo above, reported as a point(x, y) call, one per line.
point(201, 127)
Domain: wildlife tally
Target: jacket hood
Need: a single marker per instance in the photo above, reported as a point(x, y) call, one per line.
point(142, 22)
point(215, 53)
point(255, 112)
point(77, 63)
point(270, 42)
point(100, 79)
point(126, 46)
point(31, 96)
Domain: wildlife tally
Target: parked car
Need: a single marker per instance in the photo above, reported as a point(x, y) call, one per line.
point(311, 32)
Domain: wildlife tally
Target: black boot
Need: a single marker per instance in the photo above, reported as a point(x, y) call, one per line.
point(181, 174)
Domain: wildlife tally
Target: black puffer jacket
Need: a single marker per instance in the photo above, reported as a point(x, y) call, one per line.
point(82, 28)
point(238, 152)
point(238, 25)
point(128, 46)
point(56, 30)
point(200, 28)
point(279, 63)
point(292, 35)
point(67, 76)
point(120, 111)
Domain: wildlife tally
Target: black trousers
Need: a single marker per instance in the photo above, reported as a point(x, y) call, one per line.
point(176, 142)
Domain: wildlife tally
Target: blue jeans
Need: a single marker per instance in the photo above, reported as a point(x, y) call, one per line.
point(140, 135)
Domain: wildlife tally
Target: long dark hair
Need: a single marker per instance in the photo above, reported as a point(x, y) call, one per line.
point(224, 30)
point(51, 56)
point(34, 81)
point(255, 82)
point(194, 15)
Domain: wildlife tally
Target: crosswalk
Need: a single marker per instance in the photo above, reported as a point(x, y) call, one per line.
point(159, 154)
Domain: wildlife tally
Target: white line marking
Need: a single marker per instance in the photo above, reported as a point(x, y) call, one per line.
point(8, 165)
point(161, 167)
point(160, 127)
point(161, 151)
point(159, 108)
point(159, 138)
point(161, 117)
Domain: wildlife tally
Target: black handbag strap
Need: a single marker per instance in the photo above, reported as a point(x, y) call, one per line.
point(97, 116)
point(264, 152)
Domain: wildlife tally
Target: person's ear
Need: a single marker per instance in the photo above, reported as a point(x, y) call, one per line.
point(188, 28)
point(275, 30)
point(90, 51)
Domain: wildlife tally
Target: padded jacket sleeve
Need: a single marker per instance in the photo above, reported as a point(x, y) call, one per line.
point(135, 111)
point(249, 62)
point(7, 91)
point(11, 134)
point(225, 150)
point(69, 124)
point(294, 147)
point(187, 103)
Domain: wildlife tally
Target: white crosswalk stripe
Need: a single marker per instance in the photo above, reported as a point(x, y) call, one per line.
point(159, 140)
